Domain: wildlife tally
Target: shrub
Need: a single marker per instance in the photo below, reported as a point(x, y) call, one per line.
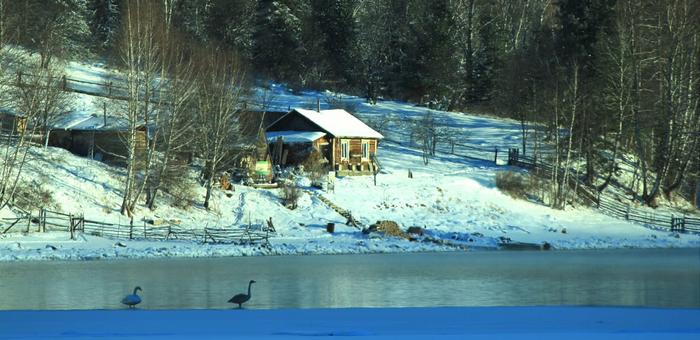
point(183, 193)
point(316, 168)
point(513, 184)
point(32, 196)
point(290, 195)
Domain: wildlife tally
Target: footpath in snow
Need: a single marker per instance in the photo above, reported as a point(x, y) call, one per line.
point(381, 323)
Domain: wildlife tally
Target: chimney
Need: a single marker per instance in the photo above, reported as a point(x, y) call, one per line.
point(318, 104)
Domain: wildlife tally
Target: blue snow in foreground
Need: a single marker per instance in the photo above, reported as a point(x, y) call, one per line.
point(379, 323)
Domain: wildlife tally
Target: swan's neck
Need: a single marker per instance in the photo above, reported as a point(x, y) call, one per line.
point(249, 284)
point(135, 290)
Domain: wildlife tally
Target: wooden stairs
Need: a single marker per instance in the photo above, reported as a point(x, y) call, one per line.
point(351, 221)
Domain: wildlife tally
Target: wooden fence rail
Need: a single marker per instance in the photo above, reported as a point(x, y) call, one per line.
point(608, 206)
point(48, 220)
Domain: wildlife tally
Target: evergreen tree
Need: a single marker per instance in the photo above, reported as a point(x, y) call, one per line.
point(429, 67)
point(54, 28)
point(193, 17)
point(277, 44)
point(231, 22)
point(104, 23)
point(334, 31)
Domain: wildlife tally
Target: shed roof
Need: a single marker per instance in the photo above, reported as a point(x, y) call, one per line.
point(294, 136)
point(10, 112)
point(338, 123)
point(80, 121)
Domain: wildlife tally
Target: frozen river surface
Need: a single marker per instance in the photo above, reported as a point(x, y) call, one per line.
point(638, 277)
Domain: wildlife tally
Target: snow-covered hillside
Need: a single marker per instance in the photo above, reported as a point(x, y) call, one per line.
point(453, 198)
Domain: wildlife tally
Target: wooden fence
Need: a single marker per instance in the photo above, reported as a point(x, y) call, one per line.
point(487, 154)
point(609, 206)
point(48, 220)
point(113, 88)
point(546, 170)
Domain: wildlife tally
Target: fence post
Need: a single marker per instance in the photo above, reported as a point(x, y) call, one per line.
point(495, 157)
point(683, 224)
point(674, 223)
point(41, 212)
point(598, 201)
point(627, 213)
point(131, 229)
point(70, 226)
point(29, 221)
point(64, 83)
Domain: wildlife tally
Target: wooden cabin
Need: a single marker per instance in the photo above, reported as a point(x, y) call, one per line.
point(344, 141)
point(99, 138)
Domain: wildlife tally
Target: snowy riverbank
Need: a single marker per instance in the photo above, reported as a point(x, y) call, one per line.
point(453, 198)
point(58, 246)
point(379, 323)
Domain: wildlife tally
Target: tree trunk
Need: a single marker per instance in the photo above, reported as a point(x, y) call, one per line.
point(209, 184)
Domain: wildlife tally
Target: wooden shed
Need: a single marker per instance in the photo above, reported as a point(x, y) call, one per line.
point(344, 141)
point(99, 138)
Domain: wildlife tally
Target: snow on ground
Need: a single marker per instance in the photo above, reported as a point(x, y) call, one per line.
point(453, 198)
point(379, 323)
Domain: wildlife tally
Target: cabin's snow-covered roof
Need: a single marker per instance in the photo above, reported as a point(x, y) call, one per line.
point(340, 123)
point(98, 123)
point(82, 121)
point(11, 112)
point(294, 136)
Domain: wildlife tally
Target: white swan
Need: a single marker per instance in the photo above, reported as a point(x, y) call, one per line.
point(132, 300)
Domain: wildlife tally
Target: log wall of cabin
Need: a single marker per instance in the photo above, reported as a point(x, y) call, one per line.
point(355, 152)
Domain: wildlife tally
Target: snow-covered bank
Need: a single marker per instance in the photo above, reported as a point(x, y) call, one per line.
point(454, 199)
point(59, 246)
point(380, 323)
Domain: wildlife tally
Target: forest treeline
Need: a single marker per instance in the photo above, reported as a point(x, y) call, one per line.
point(611, 77)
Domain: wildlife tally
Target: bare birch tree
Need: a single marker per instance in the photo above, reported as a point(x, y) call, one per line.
point(140, 54)
point(28, 96)
point(175, 129)
point(618, 54)
point(220, 86)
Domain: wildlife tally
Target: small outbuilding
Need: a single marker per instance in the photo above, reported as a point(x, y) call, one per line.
point(97, 137)
point(347, 144)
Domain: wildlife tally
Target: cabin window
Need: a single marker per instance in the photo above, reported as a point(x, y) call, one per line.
point(344, 149)
point(365, 150)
